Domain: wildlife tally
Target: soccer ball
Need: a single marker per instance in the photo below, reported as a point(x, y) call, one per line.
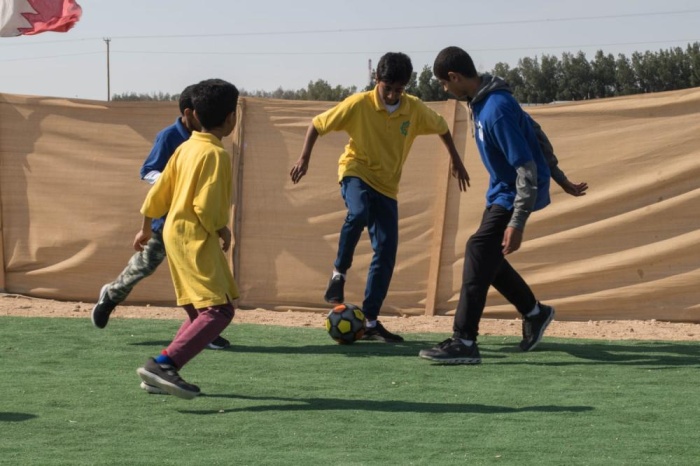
point(345, 323)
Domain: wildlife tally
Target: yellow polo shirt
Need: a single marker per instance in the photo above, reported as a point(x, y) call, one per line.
point(195, 191)
point(379, 141)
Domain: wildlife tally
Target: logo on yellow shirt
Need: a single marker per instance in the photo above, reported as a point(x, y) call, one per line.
point(404, 127)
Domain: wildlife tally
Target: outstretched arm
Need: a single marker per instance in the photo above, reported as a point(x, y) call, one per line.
point(456, 166)
point(302, 165)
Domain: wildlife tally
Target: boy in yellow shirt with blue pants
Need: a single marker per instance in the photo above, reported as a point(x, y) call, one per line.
point(382, 125)
point(195, 191)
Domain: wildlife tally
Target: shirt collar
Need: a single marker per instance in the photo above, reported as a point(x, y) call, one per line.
point(379, 104)
point(207, 137)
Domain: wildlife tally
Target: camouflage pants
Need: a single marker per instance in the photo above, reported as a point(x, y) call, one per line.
point(141, 265)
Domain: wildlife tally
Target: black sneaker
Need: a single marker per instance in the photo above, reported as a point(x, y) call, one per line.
point(379, 333)
point(534, 327)
point(166, 377)
point(103, 308)
point(219, 343)
point(152, 389)
point(335, 293)
point(452, 351)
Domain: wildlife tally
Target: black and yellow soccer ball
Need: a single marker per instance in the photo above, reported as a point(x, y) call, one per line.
point(345, 323)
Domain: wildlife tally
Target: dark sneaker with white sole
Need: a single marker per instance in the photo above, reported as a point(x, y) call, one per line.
point(379, 333)
point(103, 308)
point(335, 293)
point(534, 327)
point(152, 389)
point(166, 377)
point(452, 351)
point(219, 343)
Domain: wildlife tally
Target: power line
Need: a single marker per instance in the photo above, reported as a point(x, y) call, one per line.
point(376, 29)
point(414, 27)
point(50, 56)
point(336, 52)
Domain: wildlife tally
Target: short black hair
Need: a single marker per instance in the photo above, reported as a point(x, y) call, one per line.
point(455, 60)
point(185, 100)
point(214, 100)
point(394, 67)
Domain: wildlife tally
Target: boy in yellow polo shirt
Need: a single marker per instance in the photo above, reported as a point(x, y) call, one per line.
point(382, 125)
point(195, 191)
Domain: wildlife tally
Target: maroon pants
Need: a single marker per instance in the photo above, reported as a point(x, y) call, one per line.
point(200, 329)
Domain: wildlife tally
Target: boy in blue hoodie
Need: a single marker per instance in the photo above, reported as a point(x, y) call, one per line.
point(511, 147)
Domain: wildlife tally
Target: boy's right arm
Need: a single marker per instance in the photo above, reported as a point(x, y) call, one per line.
point(302, 165)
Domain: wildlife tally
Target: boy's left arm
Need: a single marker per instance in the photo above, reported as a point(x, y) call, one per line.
point(457, 168)
point(575, 189)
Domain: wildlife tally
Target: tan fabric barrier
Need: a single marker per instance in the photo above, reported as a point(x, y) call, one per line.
point(70, 194)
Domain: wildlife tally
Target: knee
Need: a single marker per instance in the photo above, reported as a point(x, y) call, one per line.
point(227, 312)
point(357, 218)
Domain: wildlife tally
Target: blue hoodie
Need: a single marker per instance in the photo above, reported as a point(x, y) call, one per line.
point(167, 140)
point(506, 140)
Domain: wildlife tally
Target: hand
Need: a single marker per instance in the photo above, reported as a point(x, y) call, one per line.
point(512, 239)
point(574, 189)
point(299, 170)
point(142, 237)
point(225, 235)
point(460, 172)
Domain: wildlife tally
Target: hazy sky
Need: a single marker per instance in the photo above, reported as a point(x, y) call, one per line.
point(164, 45)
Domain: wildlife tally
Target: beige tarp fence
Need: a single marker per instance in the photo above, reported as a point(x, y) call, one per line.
point(70, 195)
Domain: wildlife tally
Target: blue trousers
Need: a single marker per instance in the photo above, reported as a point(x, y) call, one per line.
point(380, 214)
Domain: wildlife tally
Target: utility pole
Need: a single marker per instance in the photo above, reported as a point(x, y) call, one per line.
point(371, 78)
point(109, 94)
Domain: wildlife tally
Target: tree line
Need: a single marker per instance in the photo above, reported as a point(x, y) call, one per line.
point(537, 80)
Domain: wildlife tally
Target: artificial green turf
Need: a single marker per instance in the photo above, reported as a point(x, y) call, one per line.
point(290, 396)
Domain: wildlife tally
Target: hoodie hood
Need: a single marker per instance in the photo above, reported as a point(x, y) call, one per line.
point(489, 84)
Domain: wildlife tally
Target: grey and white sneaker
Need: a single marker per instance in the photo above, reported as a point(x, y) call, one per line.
point(534, 327)
point(166, 377)
point(219, 343)
point(103, 308)
point(452, 351)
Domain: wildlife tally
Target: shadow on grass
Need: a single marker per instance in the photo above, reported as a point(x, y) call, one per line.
point(392, 406)
point(358, 349)
point(664, 354)
point(158, 343)
point(16, 417)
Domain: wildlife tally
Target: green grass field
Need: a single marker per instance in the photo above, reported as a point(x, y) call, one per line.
point(290, 396)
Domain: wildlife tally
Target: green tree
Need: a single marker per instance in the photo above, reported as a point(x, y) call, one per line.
point(429, 88)
point(153, 96)
point(693, 54)
point(625, 79)
point(603, 74)
point(529, 92)
point(576, 78)
point(548, 78)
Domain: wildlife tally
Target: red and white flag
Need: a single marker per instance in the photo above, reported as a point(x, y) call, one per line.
point(28, 17)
